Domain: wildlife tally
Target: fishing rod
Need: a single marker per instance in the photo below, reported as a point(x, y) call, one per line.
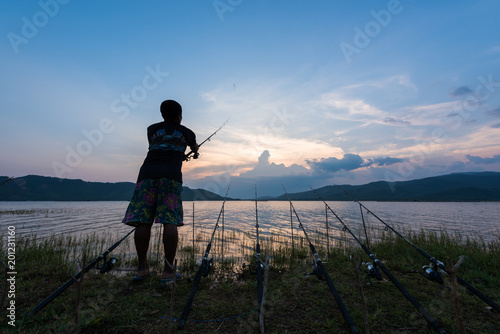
point(430, 319)
point(432, 272)
point(260, 265)
point(9, 179)
point(320, 271)
point(107, 266)
point(205, 266)
point(187, 157)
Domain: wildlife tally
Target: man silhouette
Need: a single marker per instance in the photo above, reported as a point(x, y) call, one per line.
point(157, 196)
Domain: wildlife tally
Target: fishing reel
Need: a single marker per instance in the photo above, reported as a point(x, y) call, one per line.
point(372, 272)
point(256, 265)
point(249, 268)
point(315, 270)
point(207, 267)
point(432, 273)
point(107, 265)
point(188, 156)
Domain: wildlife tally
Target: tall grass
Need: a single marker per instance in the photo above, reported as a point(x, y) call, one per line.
point(66, 251)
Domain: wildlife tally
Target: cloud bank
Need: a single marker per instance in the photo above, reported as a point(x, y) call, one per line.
point(270, 177)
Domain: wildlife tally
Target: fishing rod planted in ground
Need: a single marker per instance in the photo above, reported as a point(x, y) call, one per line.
point(187, 157)
point(431, 272)
point(107, 266)
point(205, 266)
point(320, 271)
point(430, 319)
point(260, 265)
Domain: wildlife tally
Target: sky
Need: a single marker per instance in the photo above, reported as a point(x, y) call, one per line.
point(314, 93)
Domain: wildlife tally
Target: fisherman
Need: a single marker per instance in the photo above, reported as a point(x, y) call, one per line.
point(157, 197)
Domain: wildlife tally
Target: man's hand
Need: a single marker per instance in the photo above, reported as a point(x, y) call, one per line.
point(194, 151)
point(195, 148)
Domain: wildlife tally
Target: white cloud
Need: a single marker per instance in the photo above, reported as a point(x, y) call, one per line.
point(353, 107)
point(268, 169)
point(209, 97)
point(404, 81)
point(432, 114)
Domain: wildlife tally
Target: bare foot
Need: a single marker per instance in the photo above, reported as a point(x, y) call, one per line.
point(143, 272)
point(166, 274)
point(169, 271)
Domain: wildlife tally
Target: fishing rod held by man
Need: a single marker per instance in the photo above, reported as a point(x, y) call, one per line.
point(196, 155)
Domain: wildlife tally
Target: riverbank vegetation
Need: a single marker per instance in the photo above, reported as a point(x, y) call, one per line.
point(226, 300)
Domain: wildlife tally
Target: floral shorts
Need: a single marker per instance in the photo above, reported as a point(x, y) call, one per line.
point(155, 201)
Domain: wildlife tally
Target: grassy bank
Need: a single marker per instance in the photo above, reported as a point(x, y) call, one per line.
point(295, 303)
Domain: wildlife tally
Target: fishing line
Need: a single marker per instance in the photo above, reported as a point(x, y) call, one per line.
point(204, 270)
point(433, 322)
point(431, 272)
point(320, 272)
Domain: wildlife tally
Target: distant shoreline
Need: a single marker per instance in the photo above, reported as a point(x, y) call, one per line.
point(456, 187)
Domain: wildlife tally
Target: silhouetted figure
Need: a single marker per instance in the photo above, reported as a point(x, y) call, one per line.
point(158, 193)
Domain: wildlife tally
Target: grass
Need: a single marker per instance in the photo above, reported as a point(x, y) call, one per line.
point(295, 303)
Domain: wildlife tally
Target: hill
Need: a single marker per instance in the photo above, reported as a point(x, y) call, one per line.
point(41, 188)
point(483, 186)
point(467, 187)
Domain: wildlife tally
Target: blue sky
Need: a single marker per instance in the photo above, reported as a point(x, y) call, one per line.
point(316, 93)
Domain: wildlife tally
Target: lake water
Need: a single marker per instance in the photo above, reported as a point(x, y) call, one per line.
point(475, 220)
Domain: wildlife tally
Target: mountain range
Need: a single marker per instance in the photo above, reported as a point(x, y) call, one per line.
point(42, 188)
point(456, 187)
point(481, 186)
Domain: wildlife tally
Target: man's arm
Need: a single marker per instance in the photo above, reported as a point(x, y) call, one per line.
point(194, 147)
point(194, 150)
